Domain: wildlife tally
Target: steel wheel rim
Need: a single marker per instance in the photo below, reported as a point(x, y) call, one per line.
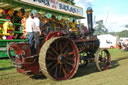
point(61, 64)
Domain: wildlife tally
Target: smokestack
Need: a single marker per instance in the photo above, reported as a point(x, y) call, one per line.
point(90, 20)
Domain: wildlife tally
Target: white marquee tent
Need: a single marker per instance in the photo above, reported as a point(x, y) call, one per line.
point(107, 41)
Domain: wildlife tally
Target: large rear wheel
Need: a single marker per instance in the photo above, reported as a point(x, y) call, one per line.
point(59, 58)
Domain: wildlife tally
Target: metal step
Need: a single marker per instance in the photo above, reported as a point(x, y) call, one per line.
point(29, 72)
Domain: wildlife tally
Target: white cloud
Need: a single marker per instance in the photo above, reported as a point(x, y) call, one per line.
point(114, 23)
point(84, 3)
point(117, 23)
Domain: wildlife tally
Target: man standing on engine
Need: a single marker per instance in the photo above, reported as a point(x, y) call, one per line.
point(36, 30)
point(29, 31)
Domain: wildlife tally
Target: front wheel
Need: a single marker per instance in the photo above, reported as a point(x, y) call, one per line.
point(102, 59)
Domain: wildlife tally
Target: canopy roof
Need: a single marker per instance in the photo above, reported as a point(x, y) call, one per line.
point(50, 6)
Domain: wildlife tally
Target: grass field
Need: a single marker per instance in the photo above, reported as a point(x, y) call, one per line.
point(89, 75)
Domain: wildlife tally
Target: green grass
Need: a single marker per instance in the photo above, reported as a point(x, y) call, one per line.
point(89, 75)
point(6, 65)
point(117, 53)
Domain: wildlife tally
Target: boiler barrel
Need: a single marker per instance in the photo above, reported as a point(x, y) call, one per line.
point(90, 46)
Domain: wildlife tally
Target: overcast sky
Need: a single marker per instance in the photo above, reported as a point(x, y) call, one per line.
point(113, 12)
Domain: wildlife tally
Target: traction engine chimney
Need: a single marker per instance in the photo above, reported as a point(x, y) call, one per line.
point(89, 20)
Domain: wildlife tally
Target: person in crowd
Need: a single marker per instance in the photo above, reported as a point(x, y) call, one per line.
point(84, 29)
point(119, 44)
point(41, 21)
point(123, 46)
point(36, 30)
point(29, 32)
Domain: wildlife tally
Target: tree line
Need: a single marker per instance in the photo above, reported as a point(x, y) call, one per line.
point(101, 29)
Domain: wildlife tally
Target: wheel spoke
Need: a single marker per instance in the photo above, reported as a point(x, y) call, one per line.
point(49, 52)
point(102, 60)
point(65, 46)
point(70, 53)
point(56, 71)
point(51, 58)
point(54, 51)
point(48, 65)
point(66, 52)
point(57, 45)
point(69, 63)
point(67, 68)
point(53, 67)
point(60, 69)
point(60, 45)
point(65, 74)
point(72, 59)
point(105, 54)
point(102, 53)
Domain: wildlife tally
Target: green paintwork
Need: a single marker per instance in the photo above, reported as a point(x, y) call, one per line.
point(4, 54)
point(3, 20)
point(17, 32)
point(3, 43)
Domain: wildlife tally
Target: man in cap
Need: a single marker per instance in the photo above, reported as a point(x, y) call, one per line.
point(36, 29)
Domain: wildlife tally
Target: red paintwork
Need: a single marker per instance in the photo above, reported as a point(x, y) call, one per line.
point(75, 65)
point(27, 63)
point(50, 35)
point(53, 34)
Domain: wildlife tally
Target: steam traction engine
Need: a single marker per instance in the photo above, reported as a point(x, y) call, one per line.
point(61, 53)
